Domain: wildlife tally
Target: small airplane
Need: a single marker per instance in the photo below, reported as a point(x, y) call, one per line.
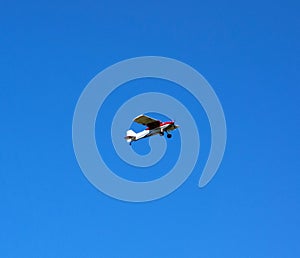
point(154, 127)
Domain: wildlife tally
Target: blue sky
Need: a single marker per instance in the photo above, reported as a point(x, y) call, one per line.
point(249, 52)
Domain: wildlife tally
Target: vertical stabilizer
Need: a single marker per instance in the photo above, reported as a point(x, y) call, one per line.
point(130, 136)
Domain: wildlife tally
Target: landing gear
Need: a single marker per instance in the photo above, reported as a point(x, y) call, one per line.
point(161, 132)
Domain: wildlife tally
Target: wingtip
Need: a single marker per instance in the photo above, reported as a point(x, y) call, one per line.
point(137, 117)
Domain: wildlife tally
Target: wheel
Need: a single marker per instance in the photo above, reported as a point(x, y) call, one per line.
point(161, 134)
point(169, 135)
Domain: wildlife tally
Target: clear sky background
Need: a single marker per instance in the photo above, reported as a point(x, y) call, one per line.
point(248, 51)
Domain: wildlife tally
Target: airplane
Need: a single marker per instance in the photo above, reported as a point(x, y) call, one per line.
point(154, 127)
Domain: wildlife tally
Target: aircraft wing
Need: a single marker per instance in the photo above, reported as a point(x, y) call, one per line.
point(147, 121)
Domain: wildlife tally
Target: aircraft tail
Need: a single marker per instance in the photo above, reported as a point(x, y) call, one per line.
point(130, 136)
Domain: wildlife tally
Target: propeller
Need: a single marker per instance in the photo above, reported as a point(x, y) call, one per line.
point(174, 123)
